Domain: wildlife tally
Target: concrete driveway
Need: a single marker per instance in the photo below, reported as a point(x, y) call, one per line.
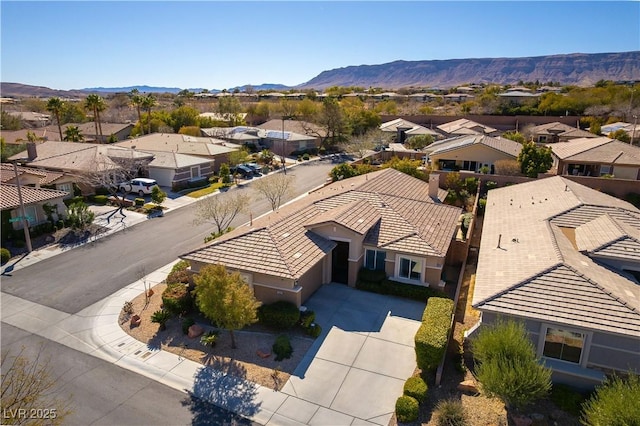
point(359, 364)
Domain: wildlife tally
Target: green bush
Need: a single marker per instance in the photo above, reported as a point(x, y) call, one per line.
point(209, 339)
point(416, 388)
point(433, 334)
point(73, 200)
point(307, 318)
point(186, 323)
point(450, 412)
point(176, 299)
point(100, 199)
point(180, 266)
point(314, 331)
point(377, 282)
point(371, 275)
point(567, 398)
point(305, 156)
point(179, 277)
point(5, 255)
point(282, 347)
point(506, 364)
point(407, 409)
point(280, 315)
point(138, 202)
point(612, 403)
point(161, 317)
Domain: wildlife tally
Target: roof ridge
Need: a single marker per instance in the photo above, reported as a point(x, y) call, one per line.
point(282, 257)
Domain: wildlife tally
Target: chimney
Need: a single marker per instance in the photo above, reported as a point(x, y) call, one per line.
point(32, 153)
point(434, 185)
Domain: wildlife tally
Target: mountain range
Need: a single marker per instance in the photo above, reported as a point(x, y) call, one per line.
point(582, 69)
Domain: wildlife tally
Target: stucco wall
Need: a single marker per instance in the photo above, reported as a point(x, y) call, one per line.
point(479, 153)
point(311, 281)
point(164, 177)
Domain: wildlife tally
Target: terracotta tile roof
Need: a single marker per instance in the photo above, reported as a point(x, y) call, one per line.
point(530, 264)
point(465, 126)
point(504, 145)
point(381, 205)
point(600, 150)
point(9, 195)
point(183, 144)
point(47, 177)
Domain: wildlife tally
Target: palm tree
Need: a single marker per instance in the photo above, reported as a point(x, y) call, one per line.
point(136, 101)
point(55, 105)
point(72, 134)
point(148, 102)
point(96, 104)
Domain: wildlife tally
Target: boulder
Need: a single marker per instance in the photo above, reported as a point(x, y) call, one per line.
point(135, 321)
point(195, 330)
point(468, 386)
point(263, 353)
point(519, 420)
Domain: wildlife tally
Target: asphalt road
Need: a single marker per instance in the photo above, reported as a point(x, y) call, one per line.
point(84, 275)
point(101, 393)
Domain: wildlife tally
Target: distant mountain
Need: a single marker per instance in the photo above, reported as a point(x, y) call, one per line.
point(265, 86)
point(141, 89)
point(575, 69)
point(18, 90)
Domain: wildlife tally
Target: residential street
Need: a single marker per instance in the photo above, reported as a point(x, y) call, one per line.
point(80, 277)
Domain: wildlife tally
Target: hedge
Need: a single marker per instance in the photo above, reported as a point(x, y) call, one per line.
point(377, 282)
point(5, 255)
point(416, 387)
point(431, 338)
point(407, 409)
point(281, 315)
point(100, 199)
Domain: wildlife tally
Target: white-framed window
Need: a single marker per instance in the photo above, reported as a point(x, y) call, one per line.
point(195, 172)
point(564, 344)
point(66, 187)
point(605, 170)
point(409, 268)
point(374, 259)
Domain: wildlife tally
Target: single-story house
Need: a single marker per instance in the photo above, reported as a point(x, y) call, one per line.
point(31, 118)
point(385, 220)
point(211, 149)
point(565, 260)
point(471, 152)
point(464, 126)
point(173, 170)
point(596, 157)
point(298, 136)
point(79, 160)
point(631, 129)
point(518, 96)
point(37, 178)
point(404, 129)
point(557, 132)
point(33, 199)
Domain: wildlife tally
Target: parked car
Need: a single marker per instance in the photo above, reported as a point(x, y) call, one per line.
point(141, 186)
point(243, 171)
point(257, 170)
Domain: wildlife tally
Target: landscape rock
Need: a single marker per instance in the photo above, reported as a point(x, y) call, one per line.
point(468, 386)
point(263, 353)
point(519, 420)
point(195, 330)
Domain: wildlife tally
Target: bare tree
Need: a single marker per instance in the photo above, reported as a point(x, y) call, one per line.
point(28, 392)
point(275, 188)
point(359, 145)
point(221, 209)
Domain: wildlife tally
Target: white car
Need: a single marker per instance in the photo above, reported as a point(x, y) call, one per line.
point(141, 186)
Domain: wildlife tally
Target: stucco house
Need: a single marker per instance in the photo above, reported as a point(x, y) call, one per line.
point(565, 260)
point(557, 132)
point(37, 178)
point(174, 170)
point(404, 129)
point(464, 126)
point(596, 157)
point(384, 220)
point(33, 199)
point(471, 152)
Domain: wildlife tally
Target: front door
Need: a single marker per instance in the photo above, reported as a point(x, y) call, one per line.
point(340, 263)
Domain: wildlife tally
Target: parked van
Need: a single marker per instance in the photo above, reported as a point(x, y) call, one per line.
point(141, 186)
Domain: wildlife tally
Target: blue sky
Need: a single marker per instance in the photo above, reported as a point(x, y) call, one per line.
point(217, 45)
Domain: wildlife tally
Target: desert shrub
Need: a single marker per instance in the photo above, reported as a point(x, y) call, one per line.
point(127, 308)
point(79, 215)
point(5, 255)
point(161, 317)
point(138, 202)
point(377, 282)
point(176, 299)
point(281, 315)
point(282, 347)
point(407, 409)
point(612, 403)
point(186, 323)
point(450, 412)
point(491, 185)
point(307, 318)
point(416, 388)
point(567, 398)
point(431, 338)
point(181, 276)
point(314, 331)
point(100, 199)
point(471, 185)
point(180, 266)
point(209, 338)
point(73, 200)
point(506, 364)
point(305, 156)
point(482, 205)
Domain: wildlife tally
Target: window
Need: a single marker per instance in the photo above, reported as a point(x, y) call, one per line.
point(195, 172)
point(374, 260)
point(564, 345)
point(66, 187)
point(410, 269)
point(605, 170)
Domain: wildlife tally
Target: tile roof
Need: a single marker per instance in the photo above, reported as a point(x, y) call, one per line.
point(530, 263)
point(390, 208)
point(597, 150)
point(504, 145)
point(9, 195)
point(183, 144)
point(465, 126)
point(410, 128)
point(47, 177)
point(174, 160)
point(295, 126)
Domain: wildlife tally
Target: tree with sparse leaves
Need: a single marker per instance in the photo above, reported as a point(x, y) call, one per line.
point(221, 209)
point(275, 188)
point(534, 159)
point(225, 299)
point(27, 385)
